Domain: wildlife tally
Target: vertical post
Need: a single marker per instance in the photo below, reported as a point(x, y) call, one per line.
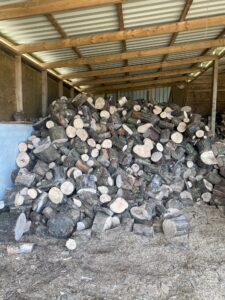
point(18, 83)
point(72, 92)
point(60, 86)
point(44, 80)
point(214, 95)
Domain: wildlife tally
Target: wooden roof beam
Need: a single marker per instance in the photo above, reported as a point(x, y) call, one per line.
point(183, 16)
point(63, 34)
point(138, 77)
point(136, 54)
point(123, 35)
point(142, 67)
point(39, 7)
point(137, 84)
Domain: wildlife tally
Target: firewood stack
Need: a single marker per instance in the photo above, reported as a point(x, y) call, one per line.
point(96, 165)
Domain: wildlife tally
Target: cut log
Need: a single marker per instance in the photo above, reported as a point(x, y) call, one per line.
point(107, 144)
point(146, 117)
point(157, 110)
point(140, 214)
point(67, 188)
point(164, 136)
point(156, 156)
point(91, 142)
point(127, 129)
point(22, 160)
point(58, 134)
point(25, 178)
point(49, 124)
point(144, 128)
point(186, 109)
point(46, 152)
point(200, 133)
point(82, 166)
point(78, 123)
point(208, 158)
point(164, 115)
point(159, 147)
point(101, 223)
point(176, 226)
point(143, 151)
point(82, 134)
point(70, 132)
point(181, 127)
point(105, 198)
point(177, 137)
point(100, 103)
point(206, 197)
point(84, 224)
point(55, 195)
point(119, 205)
point(105, 114)
point(32, 193)
point(22, 147)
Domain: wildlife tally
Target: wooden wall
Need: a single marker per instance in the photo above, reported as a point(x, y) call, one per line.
point(32, 90)
point(198, 94)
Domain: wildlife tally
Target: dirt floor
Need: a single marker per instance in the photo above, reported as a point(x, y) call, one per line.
point(123, 266)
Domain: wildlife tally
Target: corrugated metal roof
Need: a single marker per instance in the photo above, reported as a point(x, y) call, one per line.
point(148, 42)
point(149, 12)
point(144, 60)
point(100, 49)
point(28, 30)
point(56, 55)
point(101, 19)
point(88, 20)
point(200, 8)
point(199, 34)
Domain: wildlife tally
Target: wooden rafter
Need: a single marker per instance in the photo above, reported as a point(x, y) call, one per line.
point(137, 84)
point(123, 35)
point(39, 7)
point(143, 67)
point(136, 54)
point(64, 35)
point(119, 9)
point(183, 16)
point(138, 77)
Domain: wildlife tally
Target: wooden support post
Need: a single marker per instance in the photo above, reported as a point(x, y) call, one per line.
point(72, 92)
point(60, 86)
point(18, 83)
point(214, 95)
point(44, 76)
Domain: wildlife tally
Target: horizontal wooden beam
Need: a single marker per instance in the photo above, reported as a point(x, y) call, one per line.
point(123, 34)
point(142, 67)
point(94, 60)
point(137, 84)
point(138, 77)
point(39, 7)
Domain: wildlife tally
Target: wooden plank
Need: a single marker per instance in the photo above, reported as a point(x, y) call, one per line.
point(39, 7)
point(18, 83)
point(44, 80)
point(60, 88)
point(138, 77)
point(135, 54)
point(72, 92)
point(214, 95)
point(142, 67)
point(137, 84)
point(123, 35)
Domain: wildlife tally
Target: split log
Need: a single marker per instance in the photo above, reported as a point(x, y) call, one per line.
point(143, 151)
point(177, 137)
point(58, 134)
point(119, 205)
point(176, 226)
point(22, 147)
point(55, 195)
point(22, 160)
point(146, 117)
point(46, 152)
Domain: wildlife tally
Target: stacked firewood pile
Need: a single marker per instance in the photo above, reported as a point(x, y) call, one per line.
point(97, 165)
